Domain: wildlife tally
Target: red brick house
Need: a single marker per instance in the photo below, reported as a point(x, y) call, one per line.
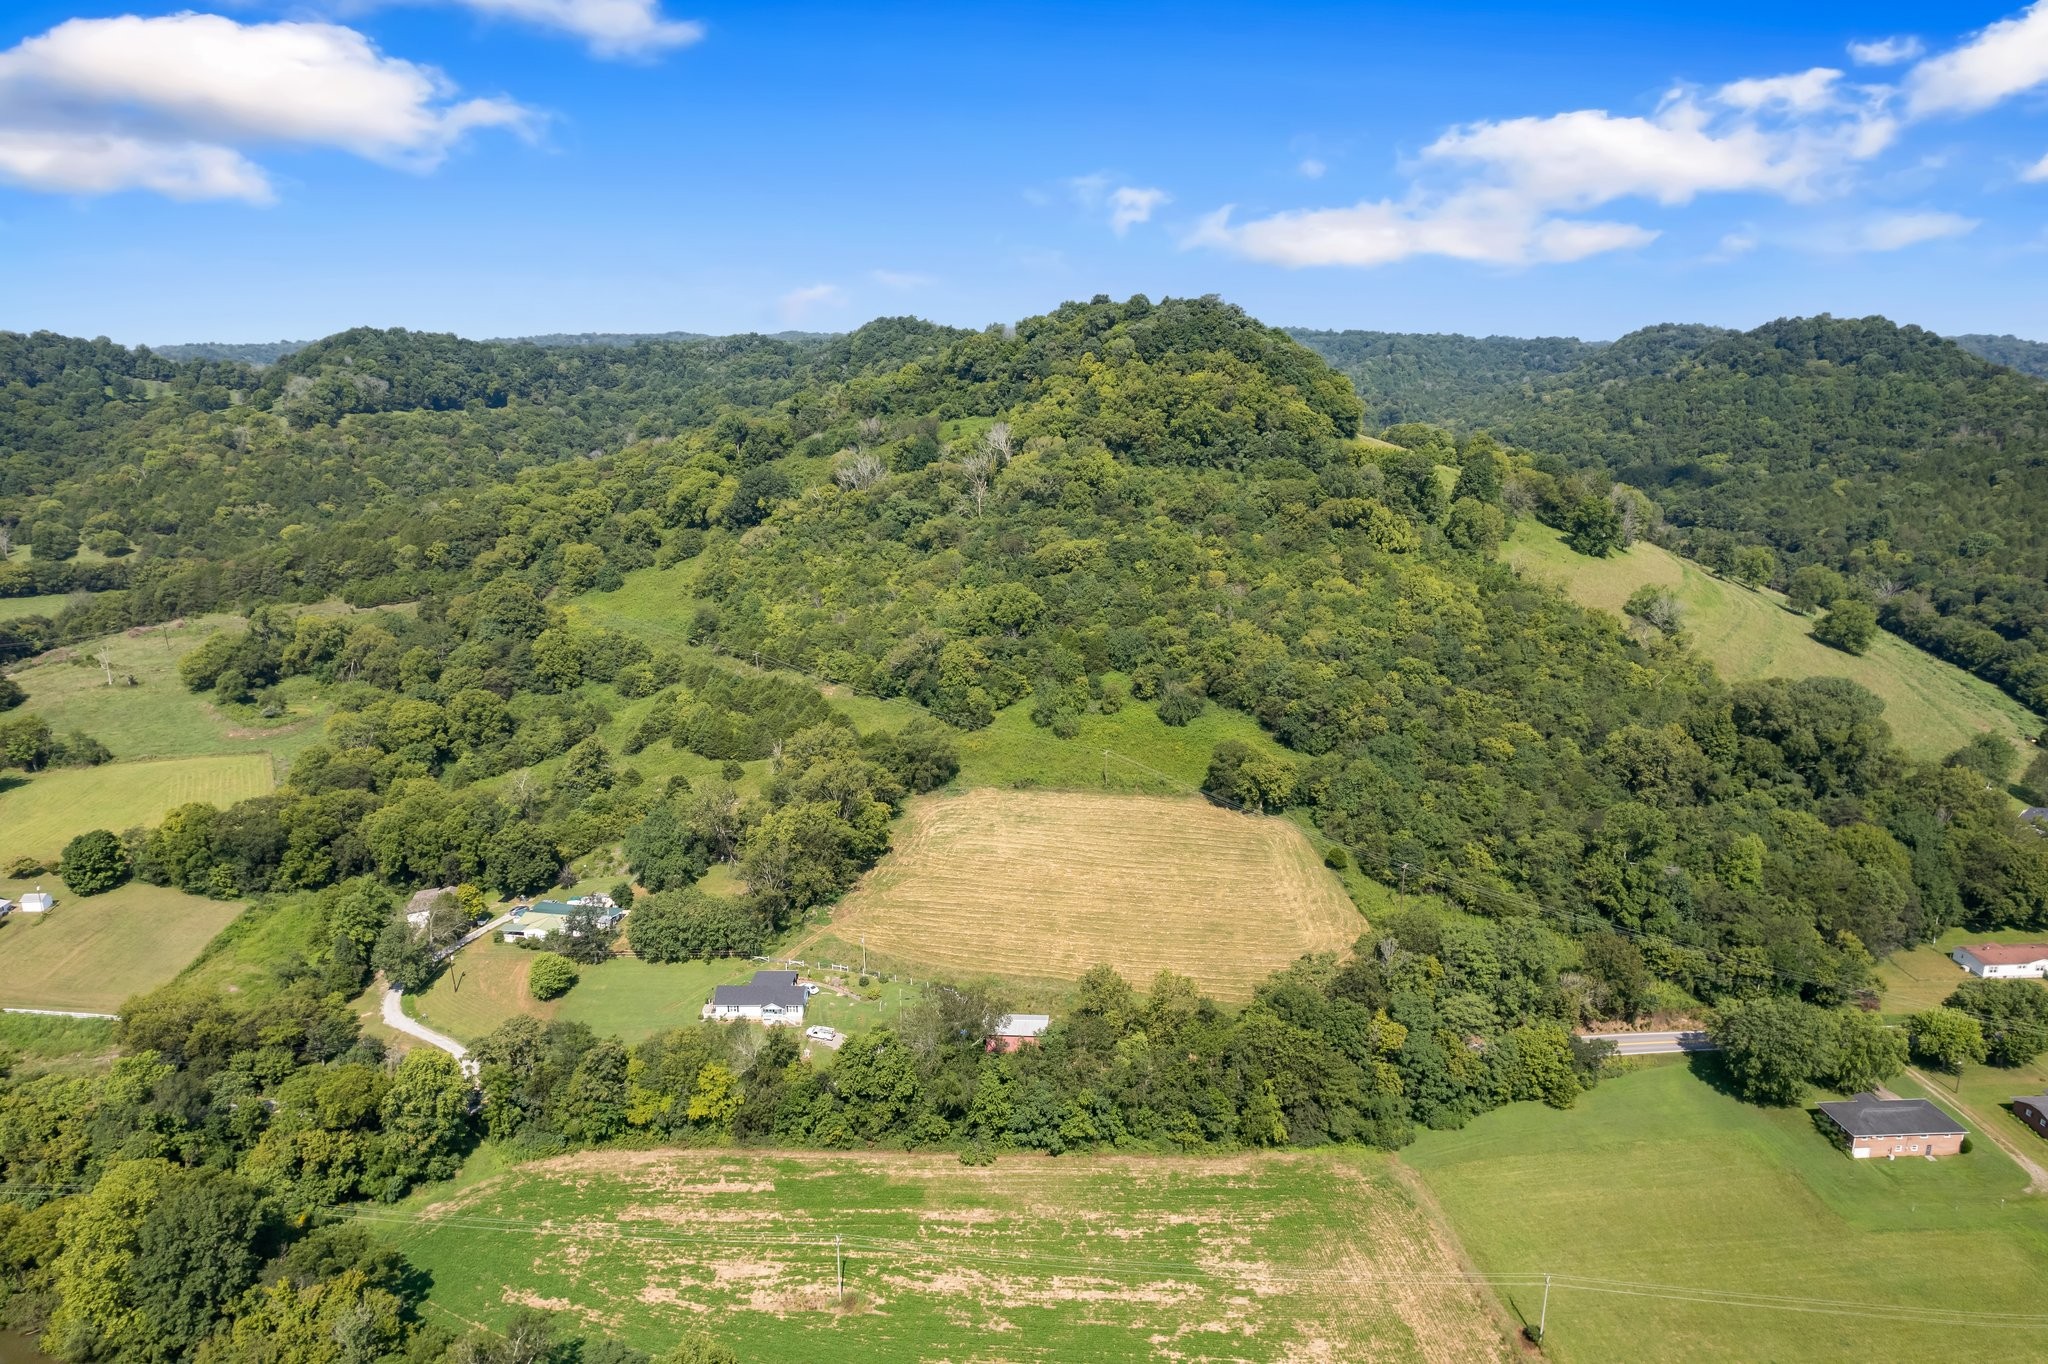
point(1895, 1127)
point(2033, 1111)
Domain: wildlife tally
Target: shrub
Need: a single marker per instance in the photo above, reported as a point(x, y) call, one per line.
point(551, 976)
point(94, 862)
point(22, 868)
point(1336, 859)
point(1849, 625)
point(732, 771)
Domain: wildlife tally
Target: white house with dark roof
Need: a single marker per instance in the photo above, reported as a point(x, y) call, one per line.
point(771, 997)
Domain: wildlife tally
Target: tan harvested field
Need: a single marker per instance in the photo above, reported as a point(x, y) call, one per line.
point(1326, 1256)
point(93, 952)
point(1045, 885)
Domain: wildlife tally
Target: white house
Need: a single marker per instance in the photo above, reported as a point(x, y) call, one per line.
point(770, 997)
point(2004, 961)
point(37, 901)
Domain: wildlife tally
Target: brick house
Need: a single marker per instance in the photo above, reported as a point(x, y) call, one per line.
point(2003, 961)
point(1895, 1127)
point(2032, 1110)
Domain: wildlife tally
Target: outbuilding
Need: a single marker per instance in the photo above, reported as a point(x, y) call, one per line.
point(2004, 960)
point(1895, 1127)
point(37, 901)
point(771, 997)
point(2032, 1109)
point(1015, 1031)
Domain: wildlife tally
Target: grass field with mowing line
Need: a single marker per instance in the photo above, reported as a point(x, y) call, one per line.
point(1278, 1257)
point(92, 953)
point(40, 814)
point(1043, 884)
point(1932, 707)
point(1657, 1177)
point(159, 717)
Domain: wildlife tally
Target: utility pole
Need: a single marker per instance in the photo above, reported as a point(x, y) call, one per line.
point(1542, 1317)
point(839, 1262)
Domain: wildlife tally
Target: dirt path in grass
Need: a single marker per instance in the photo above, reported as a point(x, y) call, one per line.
point(2037, 1177)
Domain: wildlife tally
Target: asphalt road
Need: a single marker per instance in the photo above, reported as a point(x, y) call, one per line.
point(1653, 1043)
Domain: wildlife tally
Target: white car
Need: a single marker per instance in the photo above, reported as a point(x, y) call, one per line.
point(821, 1034)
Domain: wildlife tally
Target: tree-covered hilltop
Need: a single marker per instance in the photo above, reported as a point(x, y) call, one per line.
point(1885, 454)
point(1439, 377)
point(2028, 357)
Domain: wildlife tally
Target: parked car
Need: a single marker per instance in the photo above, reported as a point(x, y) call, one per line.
point(821, 1034)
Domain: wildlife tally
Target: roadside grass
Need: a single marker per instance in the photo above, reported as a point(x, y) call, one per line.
point(1987, 1092)
point(1044, 885)
point(91, 953)
point(43, 1043)
point(159, 717)
point(1933, 707)
point(1661, 1178)
point(1922, 977)
point(39, 814)
point(1323, 1256)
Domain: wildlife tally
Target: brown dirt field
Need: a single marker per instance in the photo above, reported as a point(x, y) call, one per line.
point(1041, 884)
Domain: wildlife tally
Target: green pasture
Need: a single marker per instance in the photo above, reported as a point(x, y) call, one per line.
point(41, 812)
point(157, 717)
point(39, 1042)
point(13, 607)
point(93, 952)
point(1933, 707)
point(1281, 1257)
point(1669, 1189)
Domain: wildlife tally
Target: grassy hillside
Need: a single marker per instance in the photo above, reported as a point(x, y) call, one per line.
point(39, 814)
point(93, 953)
point(1045, 884)
point(1932, 707)
point(1314, 1257)
point(1660, 1180)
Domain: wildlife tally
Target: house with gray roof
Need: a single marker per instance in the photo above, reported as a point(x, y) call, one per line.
point(1895, 1127)
point(771, 997)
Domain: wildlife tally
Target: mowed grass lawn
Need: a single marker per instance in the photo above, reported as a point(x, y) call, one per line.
point(158, 717)
point(1659, 1178)
point(1279, 1257)
point(39, 814)
point(1922, 977)
point(91, 953)
point(13, 607)
point(1046, 884)
point(1932, 707)
point(486, 984)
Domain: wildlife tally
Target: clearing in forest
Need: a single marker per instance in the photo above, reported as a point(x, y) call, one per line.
point(1323, 1256)
point(1933, 707)
point(39, 814)
point(1045, 884)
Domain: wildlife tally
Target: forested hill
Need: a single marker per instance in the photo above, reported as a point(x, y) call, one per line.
point(2028, 357)
point(1886, 453)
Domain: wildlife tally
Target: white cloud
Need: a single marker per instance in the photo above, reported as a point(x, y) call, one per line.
point(1130, 205)
point(97, 105)
point(1311, 169)
point(798, 304)
point(101, 163)
point(613, 28)
point(2037, 172)
point(2003, 60)
point(1886, 51)
point(1733, 244)
point(1513, 191)
point(1896, 231)
point(900, 279)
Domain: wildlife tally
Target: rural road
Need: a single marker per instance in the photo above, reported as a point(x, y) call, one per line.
point(396, 1018)
point(1653, 1043)
point(2037, 1178)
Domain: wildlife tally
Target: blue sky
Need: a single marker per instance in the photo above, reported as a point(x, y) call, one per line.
point(257, 169)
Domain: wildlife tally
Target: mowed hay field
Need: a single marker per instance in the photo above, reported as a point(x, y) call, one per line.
point(1275, 1257)
point(91, 953)
point(40, 814)
point(1673, 1192)
point(1044, 884)
point(1932, 707)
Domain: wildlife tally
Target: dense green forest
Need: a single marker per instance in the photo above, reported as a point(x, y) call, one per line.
point(1169, 498)
point(1912, 469)
point(2028, 357)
